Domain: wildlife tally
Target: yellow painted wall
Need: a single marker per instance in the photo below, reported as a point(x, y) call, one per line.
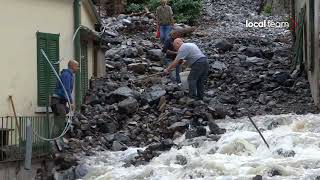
point(20, 20)
point(101, 63)
point(87, 18)
point(90, 59)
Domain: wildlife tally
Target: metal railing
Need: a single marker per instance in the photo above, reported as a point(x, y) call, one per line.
point(13, 137)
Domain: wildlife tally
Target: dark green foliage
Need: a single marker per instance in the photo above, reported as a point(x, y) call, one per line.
point(153, 4)
point(267, 10)
point(134, 8)
point(137, 1)
point(185, 11)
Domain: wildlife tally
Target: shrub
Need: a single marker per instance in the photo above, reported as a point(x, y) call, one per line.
point(134, 8)
point(153, 4)
point(187, 11)
point(267, 9)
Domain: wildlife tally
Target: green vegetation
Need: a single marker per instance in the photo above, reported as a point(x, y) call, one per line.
point(134, 8)
point(267, 9)
point(185, 11)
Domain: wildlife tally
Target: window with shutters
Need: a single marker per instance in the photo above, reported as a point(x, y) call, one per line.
point(84, 68)
point(49, 43)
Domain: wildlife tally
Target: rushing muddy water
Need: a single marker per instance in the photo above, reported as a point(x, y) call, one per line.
point(239, 154)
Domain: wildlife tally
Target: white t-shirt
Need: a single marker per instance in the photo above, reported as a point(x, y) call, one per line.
point(190, 53)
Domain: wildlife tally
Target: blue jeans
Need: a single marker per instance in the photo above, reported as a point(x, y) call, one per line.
point(164, 32)
point(167, 61)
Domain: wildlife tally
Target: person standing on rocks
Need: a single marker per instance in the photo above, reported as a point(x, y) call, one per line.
point(59, 99)
point(198, 62)
point(164, 17)
point(171, 53)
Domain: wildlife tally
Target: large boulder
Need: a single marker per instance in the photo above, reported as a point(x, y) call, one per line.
point(111, 53)
point(199, 131)
point(139, 68)
point(129, 105)
point(281, 77)
point(155, 54)
point(119, 94)
point(118, 146)
point(215, 129)
point(179, 126)
point(223, 45)
point(154, 94)
point(253, 52)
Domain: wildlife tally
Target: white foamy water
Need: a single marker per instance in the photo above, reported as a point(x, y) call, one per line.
point(240, 154)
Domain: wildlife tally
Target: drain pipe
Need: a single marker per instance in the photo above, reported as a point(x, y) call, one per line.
point(77, 49)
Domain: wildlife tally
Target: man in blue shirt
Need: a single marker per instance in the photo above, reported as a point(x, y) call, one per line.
point(59, 99)
point(171, 53)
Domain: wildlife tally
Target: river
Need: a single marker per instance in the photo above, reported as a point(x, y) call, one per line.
point(239, 154)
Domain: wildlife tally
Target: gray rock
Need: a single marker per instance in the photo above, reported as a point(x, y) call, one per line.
point(111, 33)
point(262, 99)
point(85, 127)
point(126, 22)
point(223, 45)
point(131, 52)
point(155, 54)
point(178, 94)
point(122, 138)
point(274, 172)
point(139, 68)
point(123, 91)
point(129, 105)
point(128, 60)
point(281, 77)
point(253, 52)
point(118, 146)
point(109, 137)
point(80, 171)
point(228, 99)
point(219, 65)
point(215, 129)
point(257, 177)
point(92, 100)
point(179, 126)
point(268, 54)
point(273, 124)
point(111, 53)
point(106, 127)
point(286, 153)
point(199, 131)
point(156, 69)
point(154, 94)
point(255, 60)
point(182, 160)
point(146, 44)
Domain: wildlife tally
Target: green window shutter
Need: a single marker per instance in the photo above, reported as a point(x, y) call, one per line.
point(46, 78)
point(84, 68)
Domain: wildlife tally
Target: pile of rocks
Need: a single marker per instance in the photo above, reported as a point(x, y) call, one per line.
point(135, 106)
point(251, 68)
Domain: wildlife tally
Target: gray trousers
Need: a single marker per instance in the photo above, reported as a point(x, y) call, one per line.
point(197, 78)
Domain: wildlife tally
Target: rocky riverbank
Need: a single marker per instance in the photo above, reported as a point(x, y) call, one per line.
point(250, 73)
